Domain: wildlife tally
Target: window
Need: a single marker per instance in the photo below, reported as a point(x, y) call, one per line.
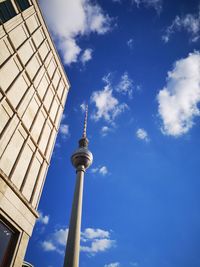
point(7, 11)
point(22, 4)
point(8, 239)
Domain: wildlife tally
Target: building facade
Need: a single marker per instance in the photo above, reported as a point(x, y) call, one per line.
point(33, 91)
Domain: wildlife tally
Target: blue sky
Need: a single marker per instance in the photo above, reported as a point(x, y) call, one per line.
point(137, 64)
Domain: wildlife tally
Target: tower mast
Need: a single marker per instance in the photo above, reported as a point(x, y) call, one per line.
point(81, 159)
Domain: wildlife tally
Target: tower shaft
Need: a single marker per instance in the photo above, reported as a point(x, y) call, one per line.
point(81, 159)
point(73, 241)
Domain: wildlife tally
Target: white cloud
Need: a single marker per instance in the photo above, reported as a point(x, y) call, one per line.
point(94, 170)
point(60, 236)
point(56, 242)
point(86, 56)
point(101, 170)
point(105, 130)
point(48, 246)
point(178, 100)
point(44, 219)
point(95, 240)
point(107, 106)
point(70, 50)
point(189, 23)
point(91, 233)
point(98, 245)
point(113, 264)
point(156, 4)
point(68, 20)
point(142, 134)
point(64, 130)
point(107, 78)
point(83, 107)
point(130, 43)
point(125, 85)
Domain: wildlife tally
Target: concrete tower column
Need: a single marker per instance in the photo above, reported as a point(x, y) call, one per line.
point(73, 241)
point(81, 159)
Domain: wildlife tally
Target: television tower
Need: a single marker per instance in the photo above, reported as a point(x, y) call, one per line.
point(81, 159)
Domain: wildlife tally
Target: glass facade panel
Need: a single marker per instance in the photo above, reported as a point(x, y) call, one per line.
point(7, 242)
point(7, 11)
point(22, 4)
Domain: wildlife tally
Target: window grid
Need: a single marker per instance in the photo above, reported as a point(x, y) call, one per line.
point(54, 76)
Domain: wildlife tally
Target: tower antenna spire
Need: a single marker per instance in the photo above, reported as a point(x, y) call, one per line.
point(85, 122)
point(83, 142)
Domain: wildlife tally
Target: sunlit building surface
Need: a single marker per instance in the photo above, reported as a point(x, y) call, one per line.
point(33, 91)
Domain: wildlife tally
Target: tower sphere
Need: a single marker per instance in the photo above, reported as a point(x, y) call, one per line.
point(82, 156)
